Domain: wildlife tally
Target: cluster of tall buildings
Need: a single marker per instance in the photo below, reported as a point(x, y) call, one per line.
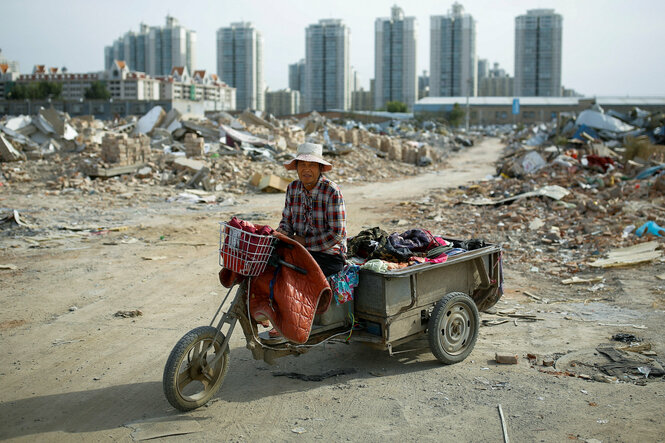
point(155, 50)
point(324, 79)
point(164, 58)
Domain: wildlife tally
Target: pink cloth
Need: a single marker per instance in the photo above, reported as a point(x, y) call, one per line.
point(440, 259)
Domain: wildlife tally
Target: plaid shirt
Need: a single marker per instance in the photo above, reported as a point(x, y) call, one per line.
point(318, 215)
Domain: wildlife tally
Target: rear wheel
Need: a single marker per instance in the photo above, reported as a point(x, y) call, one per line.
point(453, 328)
point(189, 379)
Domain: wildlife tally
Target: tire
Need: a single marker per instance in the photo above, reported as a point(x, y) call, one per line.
point(453, 328)
point(188, 382)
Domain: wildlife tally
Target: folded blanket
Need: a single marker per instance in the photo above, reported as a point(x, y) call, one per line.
point(295, 297)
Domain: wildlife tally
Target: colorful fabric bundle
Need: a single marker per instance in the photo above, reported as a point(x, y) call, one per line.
point(343, 283)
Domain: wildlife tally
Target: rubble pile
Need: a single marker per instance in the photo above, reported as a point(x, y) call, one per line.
point(34, 137)
point(228, 151)
point(563, 196)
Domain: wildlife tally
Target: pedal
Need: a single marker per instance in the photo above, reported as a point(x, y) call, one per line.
point(268, 340)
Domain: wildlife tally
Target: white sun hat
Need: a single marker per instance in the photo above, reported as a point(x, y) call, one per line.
point(309, 152)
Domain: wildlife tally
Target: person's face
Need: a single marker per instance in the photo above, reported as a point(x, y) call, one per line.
point(308, 173)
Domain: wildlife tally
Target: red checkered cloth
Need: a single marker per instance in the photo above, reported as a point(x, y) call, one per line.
point(318, 215)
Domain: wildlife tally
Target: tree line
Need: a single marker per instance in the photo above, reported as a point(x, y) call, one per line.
point(44, 90)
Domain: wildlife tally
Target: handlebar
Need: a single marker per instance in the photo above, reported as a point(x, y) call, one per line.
point(276, 260)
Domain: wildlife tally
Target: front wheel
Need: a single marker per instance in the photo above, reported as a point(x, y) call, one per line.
point(453, 328)
point(189, 379)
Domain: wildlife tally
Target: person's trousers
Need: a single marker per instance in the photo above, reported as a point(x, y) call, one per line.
point(330, 264)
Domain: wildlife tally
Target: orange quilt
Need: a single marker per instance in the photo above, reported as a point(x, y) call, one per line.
point(296, 297)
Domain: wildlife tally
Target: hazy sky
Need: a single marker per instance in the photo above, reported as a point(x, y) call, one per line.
point(610, 47)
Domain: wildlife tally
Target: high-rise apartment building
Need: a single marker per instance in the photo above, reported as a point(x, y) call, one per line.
point(423, 85)
point(297, 81)
point(154, 50)
point(453, 60)
point(283, 102)
point(240, 63)
point(327, 82)
point(297, 76)
point(538, 53)
point(483, 68)
point(497, 83)
point(354, 80)
point(395, 59)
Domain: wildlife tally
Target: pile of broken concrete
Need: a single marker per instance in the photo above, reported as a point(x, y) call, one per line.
point(565, 195)
point(221, 153)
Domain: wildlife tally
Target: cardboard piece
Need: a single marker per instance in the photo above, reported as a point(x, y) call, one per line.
point(273, 183)
point(255, 179)
point(632, 255)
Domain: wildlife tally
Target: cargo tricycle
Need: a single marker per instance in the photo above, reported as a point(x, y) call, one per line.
point(440, 301)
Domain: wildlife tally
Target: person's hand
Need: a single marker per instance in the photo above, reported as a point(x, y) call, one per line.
point(281, 231)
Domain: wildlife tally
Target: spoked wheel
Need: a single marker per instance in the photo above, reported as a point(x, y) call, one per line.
point(453, 328)
point(189, 379)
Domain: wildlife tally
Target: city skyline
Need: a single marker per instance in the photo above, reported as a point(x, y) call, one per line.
point(606, 44)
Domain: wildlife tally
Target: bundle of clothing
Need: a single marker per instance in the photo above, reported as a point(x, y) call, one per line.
point(379, 251)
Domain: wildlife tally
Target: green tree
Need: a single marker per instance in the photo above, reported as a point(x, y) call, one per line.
point(97, 90)
point(396, 106)
point(49, 89)
point(34, 91)
point(456, 115)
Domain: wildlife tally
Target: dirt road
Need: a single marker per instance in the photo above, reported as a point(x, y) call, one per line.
point(72, 371)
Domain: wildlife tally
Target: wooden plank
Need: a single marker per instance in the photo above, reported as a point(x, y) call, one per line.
point(117, 170)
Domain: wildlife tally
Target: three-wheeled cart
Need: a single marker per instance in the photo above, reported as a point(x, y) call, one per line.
point(390, 308)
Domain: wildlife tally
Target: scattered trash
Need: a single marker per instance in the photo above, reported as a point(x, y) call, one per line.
point(128, 314)
point(627, 230)
point(9, 266)
point(621, 364)
point(644, 370)
point(504, 428)
point(163, 427)
point(578, 280)
point(650, 227)
point(505, 359)
point(298, 430)
point(626, 338)
point(554, 192)
point(15, 217)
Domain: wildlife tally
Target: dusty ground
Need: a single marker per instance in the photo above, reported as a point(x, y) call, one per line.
point(72, 371)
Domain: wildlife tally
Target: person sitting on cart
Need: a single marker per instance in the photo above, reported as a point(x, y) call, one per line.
point(314, 213)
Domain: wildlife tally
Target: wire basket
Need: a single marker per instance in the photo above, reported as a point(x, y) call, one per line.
point(244, 252)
